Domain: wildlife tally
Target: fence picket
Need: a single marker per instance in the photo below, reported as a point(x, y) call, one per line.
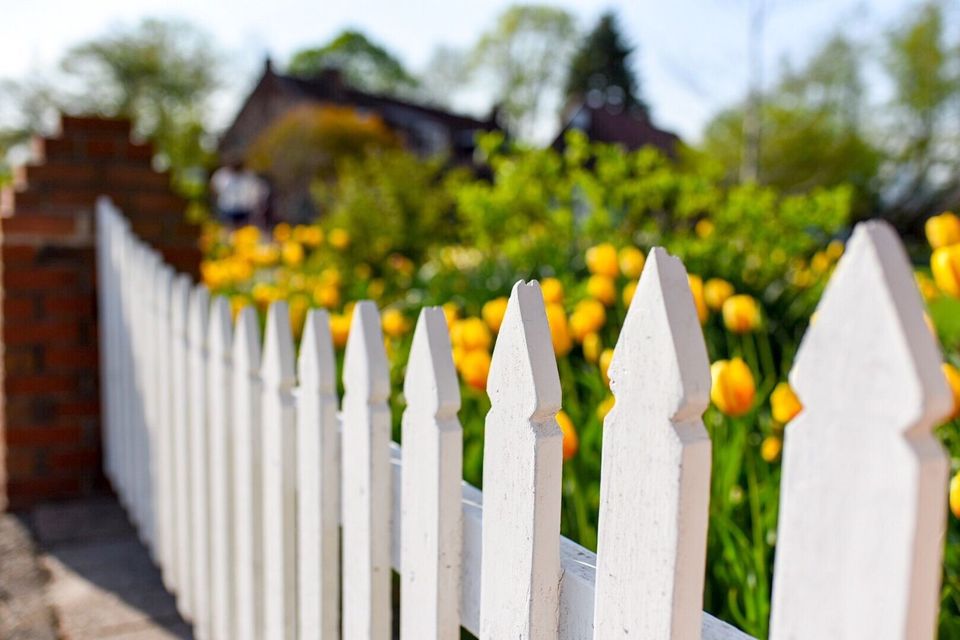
point(279, 477)
point(655, 478)
point(167, 519)
point(247, 478)
point(431, 534)
point(520, 570)
point(858, 553)
point(199, 459)
point(366, 479)
point(219, 379)
point(318, 483)
point(179, 309)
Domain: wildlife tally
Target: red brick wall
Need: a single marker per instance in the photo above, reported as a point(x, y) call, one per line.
point(49, 397)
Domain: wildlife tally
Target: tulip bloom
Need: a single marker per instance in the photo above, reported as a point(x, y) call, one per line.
point(945, 265)
point(715, 292)
point(394, 324)
point(733, 388)
point(493, 312)
point(631, 262)
point(943, 230)
point(955, 495)
point(602, 260)
point(559, 332)
point(784, 404)
point(953, 381)
point(475, 366)
point(571, 442)
point(552, 290)
point(741, 313)
point(603, 289)
point(696, 288)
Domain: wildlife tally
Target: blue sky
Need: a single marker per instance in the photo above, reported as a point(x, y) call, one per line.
point(692, 55)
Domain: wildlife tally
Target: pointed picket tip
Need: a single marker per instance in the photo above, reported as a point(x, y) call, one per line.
point(661, 358)
point(430, 383)
point(219, 338)
point(871, 339)
point(198, 313)
point(365, 369)
point(278, 359)
point(523, 370)
point(246, 341)
point(316, 365)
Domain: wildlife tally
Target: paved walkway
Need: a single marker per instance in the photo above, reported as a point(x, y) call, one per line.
point(101, 583)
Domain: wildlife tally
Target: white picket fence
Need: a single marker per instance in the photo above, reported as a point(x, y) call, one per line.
point(246, 480)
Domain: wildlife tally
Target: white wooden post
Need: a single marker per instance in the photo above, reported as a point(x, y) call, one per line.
point(366, 479)
point(655, 479)
point(166, 520)
point(247, 478)
point(149, 386)
point(863, 494)
point(199, 459)
point(180, 425)
point(219, 381)
point(522, 463)
point(431, 534)
point(318, 483)
point(279, 477)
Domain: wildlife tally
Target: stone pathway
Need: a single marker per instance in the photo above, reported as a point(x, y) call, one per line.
point(101, 582)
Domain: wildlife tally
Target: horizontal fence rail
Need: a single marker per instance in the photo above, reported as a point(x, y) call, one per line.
point(247, 476)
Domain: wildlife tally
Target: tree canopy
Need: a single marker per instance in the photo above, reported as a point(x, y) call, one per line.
point(364, 64)
point(602, 66)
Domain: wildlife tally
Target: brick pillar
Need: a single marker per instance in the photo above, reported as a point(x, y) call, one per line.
point(49, 397)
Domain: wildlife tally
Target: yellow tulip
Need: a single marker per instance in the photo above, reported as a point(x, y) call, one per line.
point(340, 328)
point(559, 332)
point(263, 294)
point(733, 388)
point(394, 323)
point(770, 448)
point(375, 288)
point(631, 262)
point(605, 359)
point(326, 296)
point(704, 228)
point(835, 250)
point(629, 290)
point(741, 313)
point(281, 232)
point(451, 312)
point(591, 347)
point(298, 315)
point(588, 316)
point(696, 288)
point(339, 239)
point(292, 253)
point(820, 262)
point(955, 495)
point(943, 230)
point(602, 260)
point(237, 302)
point(310, 235)
point(953, 381)
point(248, 235)
point(552, 290)
point(603, 289)
point(715, 292)
point(475, 366)
point(571, 443)
point(605, 407)
point(266, 255)
point(471, 334)
point(784, 404)
point(945, 264)
point(493, 312)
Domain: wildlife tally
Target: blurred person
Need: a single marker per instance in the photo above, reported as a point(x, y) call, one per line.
point(239, 192)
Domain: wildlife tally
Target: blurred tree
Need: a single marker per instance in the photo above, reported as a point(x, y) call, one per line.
point(601, 64)
point(305, 145)
point(526, 54)
point(812, 130)
point(923, 146)
point(161, 74)
point(364, 64)
point(446, 72)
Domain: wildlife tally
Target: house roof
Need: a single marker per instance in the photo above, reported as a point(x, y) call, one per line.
point(632, 129)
